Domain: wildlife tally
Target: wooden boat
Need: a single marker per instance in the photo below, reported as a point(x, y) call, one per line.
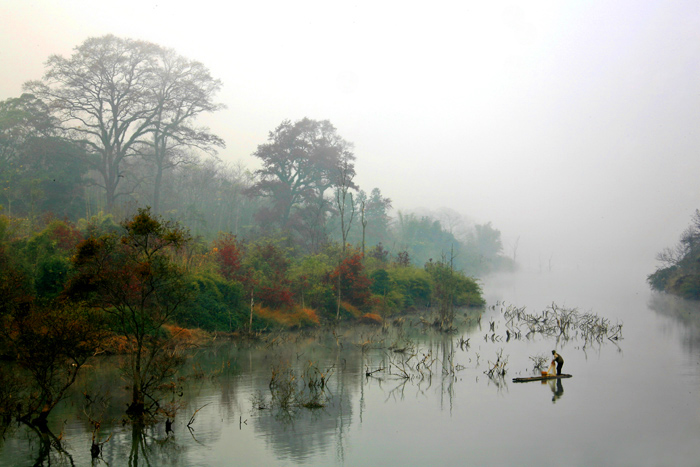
point(540, 378)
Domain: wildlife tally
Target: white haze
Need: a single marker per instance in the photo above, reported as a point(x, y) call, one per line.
point(574, 127)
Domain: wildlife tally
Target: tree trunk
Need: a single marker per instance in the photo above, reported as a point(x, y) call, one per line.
point(40, 422)
point(156, 189)
point(250, 327)
point(337, 315)
point(137, 407)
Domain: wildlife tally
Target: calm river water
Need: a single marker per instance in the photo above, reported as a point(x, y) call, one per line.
point(633, 402)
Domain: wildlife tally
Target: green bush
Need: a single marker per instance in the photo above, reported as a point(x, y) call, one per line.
point(468, 292)
point(51, 277)
point(413, 284)
point(687, 286)
point(452, 287)
point(309, 277)
point(218, 305)
point(381, 283)
point(660, 279)
point(45, 255)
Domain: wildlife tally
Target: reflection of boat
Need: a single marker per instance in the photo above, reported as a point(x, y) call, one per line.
point(540, 378)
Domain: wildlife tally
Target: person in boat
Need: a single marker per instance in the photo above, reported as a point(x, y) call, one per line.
point(559, 361)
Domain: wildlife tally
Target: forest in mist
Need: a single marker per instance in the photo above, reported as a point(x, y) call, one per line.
point(121, 232)
point(114, 127)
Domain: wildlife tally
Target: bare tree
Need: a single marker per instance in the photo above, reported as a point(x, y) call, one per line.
point(454, 222)
point(515, 249)
point(185, 90)
point(121, 95)
point(101, 96)
point(363, 221)
point(343, 196)
point(672, 256)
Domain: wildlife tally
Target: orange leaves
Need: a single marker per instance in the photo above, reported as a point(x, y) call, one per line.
point(353, 310)
point(118, 345)
point(371, 318)
point(185, 337)
point(298, 317)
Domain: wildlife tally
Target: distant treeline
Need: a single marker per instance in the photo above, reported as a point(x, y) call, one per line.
point(680, 270)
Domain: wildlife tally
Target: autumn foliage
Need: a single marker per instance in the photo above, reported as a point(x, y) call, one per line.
point(65, 234)
point(145, 289)
point(297, 318)
point(269, 265)
point(133, 279)
point(354, 282)
point(228, 252)
point(371, 318)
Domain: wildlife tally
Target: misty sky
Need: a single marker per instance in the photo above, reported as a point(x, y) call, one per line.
point(573, 126)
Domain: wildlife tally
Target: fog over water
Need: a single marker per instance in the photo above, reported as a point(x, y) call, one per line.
point(572, 126)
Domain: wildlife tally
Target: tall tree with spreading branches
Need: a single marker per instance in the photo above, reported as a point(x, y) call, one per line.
point(121, 95)
point(300, 162)
point(185, 90)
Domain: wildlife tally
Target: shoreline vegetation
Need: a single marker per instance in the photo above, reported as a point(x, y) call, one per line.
point(679, 273)
point(139, 290)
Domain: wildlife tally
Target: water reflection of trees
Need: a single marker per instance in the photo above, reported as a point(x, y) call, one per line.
point(298, 434)
point(230, 373)
point(684, 312)
point(422, 364)
point(49, 448)
point(412, 359)
point(142, 445)
point(135, 445)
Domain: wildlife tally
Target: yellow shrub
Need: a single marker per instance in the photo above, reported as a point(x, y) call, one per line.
point(371, 318)
point(353, 310)
point(187, 337)
point(297, 317)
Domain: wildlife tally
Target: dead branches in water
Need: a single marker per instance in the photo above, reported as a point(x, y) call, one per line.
point(497, 369)
point(562, 323)
point(463, 343)
point(291, 390)
point(539, 361)
point(410, 364)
